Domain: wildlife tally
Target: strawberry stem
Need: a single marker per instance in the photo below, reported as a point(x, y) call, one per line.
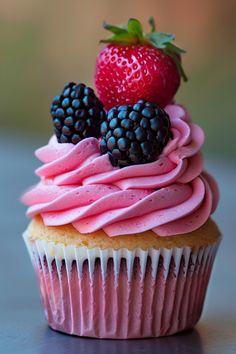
point(152, 24)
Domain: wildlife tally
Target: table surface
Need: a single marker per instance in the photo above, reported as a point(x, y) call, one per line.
point(23, 328)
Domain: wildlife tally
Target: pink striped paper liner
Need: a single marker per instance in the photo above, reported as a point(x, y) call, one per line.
point(121, 293)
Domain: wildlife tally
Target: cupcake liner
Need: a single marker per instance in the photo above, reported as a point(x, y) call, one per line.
point(121, 293)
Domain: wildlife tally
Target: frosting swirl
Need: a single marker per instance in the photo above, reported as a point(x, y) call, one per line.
point(170, 196)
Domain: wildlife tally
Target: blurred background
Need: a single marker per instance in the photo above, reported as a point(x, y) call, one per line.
point(47, 43)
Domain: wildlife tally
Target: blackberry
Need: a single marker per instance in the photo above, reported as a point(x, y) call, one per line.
point(135, 134)
point(77, 114)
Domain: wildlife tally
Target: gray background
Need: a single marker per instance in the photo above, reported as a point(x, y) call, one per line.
point(23, 328)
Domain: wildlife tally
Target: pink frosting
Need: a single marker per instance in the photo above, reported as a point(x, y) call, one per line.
point(170, 196)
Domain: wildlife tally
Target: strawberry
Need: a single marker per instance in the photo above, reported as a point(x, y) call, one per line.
point(135, 65)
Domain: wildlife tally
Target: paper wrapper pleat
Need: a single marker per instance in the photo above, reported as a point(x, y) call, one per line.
point(121, 293)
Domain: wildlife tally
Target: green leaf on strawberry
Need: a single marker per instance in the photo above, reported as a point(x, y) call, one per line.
point(114, 29)
point(135, 28)
point(133, 34)
point(160, 39)
point(120, 39)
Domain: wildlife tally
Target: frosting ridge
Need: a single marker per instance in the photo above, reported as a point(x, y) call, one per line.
point(170, 196)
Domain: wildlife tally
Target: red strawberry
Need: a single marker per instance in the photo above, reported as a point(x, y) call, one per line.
point(135, 65)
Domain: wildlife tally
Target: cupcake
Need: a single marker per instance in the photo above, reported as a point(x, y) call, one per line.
point(121, 238)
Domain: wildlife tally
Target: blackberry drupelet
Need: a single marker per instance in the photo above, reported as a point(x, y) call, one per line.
point(135, 134)
point(77, 114)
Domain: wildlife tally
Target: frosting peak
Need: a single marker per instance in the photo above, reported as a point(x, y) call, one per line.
point(172, 195)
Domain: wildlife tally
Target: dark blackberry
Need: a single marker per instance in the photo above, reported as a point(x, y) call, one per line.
point(135, 134)
point(77, 114)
